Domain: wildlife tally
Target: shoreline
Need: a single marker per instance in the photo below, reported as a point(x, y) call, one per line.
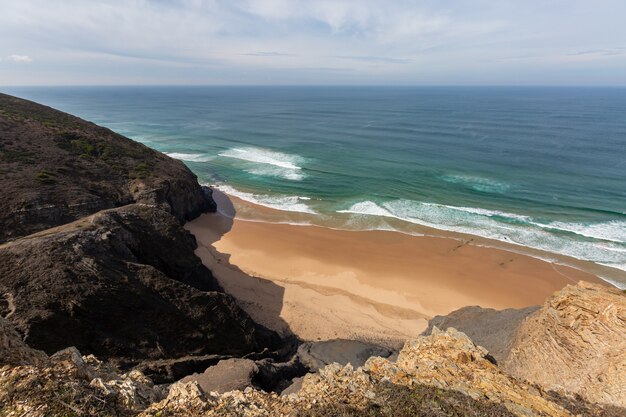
point(371, 285)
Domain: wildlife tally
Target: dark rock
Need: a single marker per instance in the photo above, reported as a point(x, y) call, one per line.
point(123, 284)
point(294, 387)
point(13, 350)
point(316, 355)
point(492, 329)
point(163, 371)
point(227, 375)
point(56, 168)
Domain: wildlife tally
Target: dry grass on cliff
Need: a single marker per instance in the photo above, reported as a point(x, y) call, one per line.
point(424, 401)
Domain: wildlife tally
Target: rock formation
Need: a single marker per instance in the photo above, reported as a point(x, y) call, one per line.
point(492, 329)
point(56, 168)
point(576, 342)
point(441, 374)
point(109, 268)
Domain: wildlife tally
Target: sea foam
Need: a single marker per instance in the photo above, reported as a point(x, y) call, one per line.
point(486, 185)
point(268, 163)
point(190, 157)
point(508, 227)
point(277, 202)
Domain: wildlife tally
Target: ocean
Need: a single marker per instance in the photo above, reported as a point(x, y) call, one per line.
point(539, 169)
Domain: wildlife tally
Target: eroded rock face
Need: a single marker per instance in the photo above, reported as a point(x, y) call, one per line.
point(122, 284)
point(448, 362)
point(492, 329)
point(576, 342)
point(56, 168)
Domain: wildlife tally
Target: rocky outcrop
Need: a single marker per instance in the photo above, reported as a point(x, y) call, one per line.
point(56, 168)
point(316, 355)
point(13, 350)
point(70, 384)
point(441, 374)
point(122, 284)
point(227, 375)
point(492, 329)
point(576, 342)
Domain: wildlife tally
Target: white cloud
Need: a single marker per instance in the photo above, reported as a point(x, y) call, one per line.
point(259, 41)
point(19, 58)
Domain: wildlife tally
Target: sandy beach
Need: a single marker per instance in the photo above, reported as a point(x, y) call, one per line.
point(320, 283)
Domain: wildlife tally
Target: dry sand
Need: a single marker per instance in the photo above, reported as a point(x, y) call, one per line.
point(320, 283)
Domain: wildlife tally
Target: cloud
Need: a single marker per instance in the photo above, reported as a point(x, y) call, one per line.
point(262, 53)
point(375, 59)
point(275, 41)
point(19, 58)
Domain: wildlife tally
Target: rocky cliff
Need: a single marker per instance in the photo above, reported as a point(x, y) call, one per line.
point(575, 342)
point(95, 256)
point(56, 168)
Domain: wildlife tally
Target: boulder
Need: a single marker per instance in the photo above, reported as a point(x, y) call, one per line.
point(227, 375)
point(316, 355)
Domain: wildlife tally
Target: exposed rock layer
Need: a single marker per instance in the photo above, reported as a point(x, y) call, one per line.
point(576, 342)
point(492, 329)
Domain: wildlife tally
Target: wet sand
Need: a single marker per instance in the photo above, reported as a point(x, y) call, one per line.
point(321, 283)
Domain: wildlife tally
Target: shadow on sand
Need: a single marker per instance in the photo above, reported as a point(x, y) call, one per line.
point(260, 298)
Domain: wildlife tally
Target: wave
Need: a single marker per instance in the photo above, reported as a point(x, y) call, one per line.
point(614, 231)
point(603, 247)
point(271, 171)
point(277, 202)
point(486, 185)
point(190, 157)
point(268, 163)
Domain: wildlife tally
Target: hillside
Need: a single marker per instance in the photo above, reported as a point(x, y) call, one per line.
point(56, 168)
point(95, 254)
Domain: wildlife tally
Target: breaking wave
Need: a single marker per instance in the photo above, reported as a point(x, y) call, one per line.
point(602, 243)
point(277, 202)
point(268, 163)
point(190, 157)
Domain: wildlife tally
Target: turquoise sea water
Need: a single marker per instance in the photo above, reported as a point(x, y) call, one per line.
point(542, 168)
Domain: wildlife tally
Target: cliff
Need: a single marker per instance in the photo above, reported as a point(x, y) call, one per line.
point(575, 342)
point(95, 255)
point(56, 168)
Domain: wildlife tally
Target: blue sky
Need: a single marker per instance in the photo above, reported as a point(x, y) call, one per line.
point(395, 42)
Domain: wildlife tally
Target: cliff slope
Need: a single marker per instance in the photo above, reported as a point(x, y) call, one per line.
point(109, 268)
point(576, 342)
point(56, 168)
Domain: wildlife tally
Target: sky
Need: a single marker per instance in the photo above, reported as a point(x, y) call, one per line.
point(316, 42)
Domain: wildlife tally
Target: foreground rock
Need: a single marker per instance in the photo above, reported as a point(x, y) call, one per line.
point(122, 284)
point(492, 329)
point(56, 168)
point(227, 375)
point(441, 374)
point(576, 342)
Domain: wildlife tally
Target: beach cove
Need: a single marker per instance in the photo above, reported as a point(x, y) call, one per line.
point(320, 283)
